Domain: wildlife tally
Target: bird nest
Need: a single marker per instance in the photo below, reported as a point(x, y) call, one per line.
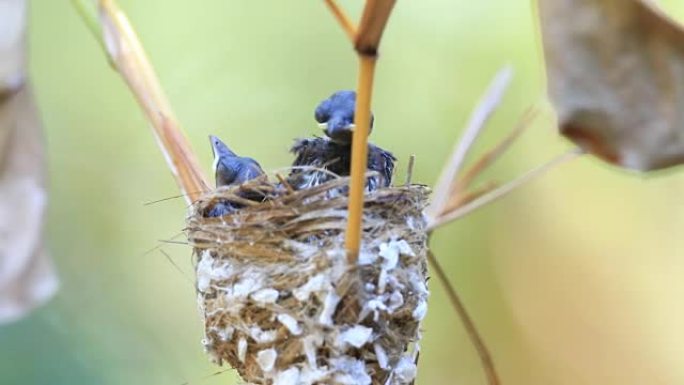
point(281, 302)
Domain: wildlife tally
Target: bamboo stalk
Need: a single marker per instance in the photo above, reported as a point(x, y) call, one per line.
point(372, 25)
point(367, 40)
point(359, 158)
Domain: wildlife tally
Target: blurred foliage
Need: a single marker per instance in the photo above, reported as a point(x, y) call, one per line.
point(573, 280)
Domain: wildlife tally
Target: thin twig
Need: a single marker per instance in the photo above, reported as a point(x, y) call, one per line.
point(168, 241)
point(344, 20)
point(464, 197)
point(149, 203)
point(478, 118)
point(285, 183)
point(210, 375)
point(493, 154)
point(159, 246)
point(89, 17)
point(458, 194)
point(503, 190)
point(175, 266)
point(468, 324)
point(409, 169)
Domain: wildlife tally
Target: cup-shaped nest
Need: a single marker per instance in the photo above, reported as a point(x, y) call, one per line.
point(281, 302)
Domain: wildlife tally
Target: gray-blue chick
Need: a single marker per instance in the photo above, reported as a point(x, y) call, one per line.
point(231, 169)
point(336, 116)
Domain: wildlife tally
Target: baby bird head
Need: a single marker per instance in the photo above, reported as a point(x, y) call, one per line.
point(229, 168)
point(335, 116)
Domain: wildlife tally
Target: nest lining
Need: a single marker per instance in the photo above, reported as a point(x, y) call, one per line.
point(281, 303)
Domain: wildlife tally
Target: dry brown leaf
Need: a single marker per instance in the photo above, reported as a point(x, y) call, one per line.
point(27, 278)
point(616, 78)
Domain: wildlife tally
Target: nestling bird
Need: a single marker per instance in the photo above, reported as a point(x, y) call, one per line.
point(335, 116)
point(323, 153)
point(231, 169)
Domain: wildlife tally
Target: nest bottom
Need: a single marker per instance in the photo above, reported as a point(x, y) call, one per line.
point(283, 306)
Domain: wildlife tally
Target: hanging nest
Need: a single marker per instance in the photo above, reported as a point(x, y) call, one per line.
point(282, 304)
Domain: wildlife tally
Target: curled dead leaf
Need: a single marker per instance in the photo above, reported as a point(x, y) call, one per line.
point(615, 73)
point(27, 278)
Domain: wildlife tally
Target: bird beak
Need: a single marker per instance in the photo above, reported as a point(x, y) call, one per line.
point(213, 140)
point(214, 144)
point(215, 151)
point(220, 148)
point(324, 126)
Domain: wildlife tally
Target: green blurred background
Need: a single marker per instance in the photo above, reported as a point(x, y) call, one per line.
point(574, 279)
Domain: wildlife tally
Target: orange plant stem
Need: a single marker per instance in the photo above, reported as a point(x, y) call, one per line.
point(359, 159)
point(344, 20)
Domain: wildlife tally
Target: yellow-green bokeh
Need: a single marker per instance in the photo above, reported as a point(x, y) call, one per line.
point(573, 280)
